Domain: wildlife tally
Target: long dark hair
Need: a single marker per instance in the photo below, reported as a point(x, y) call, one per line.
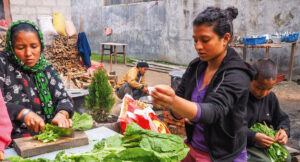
point(220, 20)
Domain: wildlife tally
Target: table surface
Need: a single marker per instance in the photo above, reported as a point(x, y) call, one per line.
point(114, 44)
point(257, 46)
point(94, 135)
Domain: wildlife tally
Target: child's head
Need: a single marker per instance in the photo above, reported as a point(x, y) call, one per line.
point(265, 78)
point(142, 66)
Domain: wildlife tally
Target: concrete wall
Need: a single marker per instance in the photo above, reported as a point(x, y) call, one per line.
point(143, 34)
point(30, 9)
point(165, 31)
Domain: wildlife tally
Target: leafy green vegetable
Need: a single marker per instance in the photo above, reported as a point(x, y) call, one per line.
point(137, 145)
point(276, 151)
point(49, 134)
point(20, 159)
point(82, 122)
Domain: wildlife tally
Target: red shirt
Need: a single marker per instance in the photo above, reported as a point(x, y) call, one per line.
point(5, 125)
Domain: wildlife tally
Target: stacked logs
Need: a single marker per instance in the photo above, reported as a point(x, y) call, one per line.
point(2, 40)
point(63, 55)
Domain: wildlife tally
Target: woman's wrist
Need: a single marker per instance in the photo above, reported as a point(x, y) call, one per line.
point(64, 113)
point(22, 114)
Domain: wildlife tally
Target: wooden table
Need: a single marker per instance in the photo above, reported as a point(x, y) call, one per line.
point(268, 46)
point(112, 48)
point(292, 59)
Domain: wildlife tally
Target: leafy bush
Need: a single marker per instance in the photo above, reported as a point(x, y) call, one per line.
point(100, 99)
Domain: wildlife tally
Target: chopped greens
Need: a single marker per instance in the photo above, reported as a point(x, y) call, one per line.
point(48, 135)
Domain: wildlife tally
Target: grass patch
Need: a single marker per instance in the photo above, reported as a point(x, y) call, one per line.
point(168, 63)
point(97, 57)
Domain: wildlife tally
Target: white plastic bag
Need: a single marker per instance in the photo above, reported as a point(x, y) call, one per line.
point(45, 23)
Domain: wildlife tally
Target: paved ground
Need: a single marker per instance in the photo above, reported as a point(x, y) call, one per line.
point(287, 92)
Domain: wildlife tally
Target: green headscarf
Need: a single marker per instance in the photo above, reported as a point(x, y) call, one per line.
point(38, 69)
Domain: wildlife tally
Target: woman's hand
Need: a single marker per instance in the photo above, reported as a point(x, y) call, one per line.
point(163, 96)
point(145, 90)
point(1, 155)
point(281, 137)
point(263, 140)
point(34, 122)
point(61, 119)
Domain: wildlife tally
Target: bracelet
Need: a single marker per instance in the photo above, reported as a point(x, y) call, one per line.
point(26, 111)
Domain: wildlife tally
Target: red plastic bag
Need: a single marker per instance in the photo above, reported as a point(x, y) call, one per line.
point(95, 67)
point(131, 111)
point(4, 23)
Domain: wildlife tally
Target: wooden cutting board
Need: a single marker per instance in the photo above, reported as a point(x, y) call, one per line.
point(27, 146)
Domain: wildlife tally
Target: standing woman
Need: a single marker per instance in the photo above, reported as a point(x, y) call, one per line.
point(213, 93)
point(33, 92)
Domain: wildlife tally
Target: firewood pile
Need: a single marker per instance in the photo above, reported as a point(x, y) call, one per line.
point(63, 55)
point(2, 39)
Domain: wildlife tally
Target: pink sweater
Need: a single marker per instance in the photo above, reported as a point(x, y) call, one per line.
point(5, 125)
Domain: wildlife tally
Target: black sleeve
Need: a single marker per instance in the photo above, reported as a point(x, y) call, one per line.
point(250, 137)
point(180, 91)
point(280, 119)
point(234, 85)
point(12, 109)
point(59, 95)
point(181, 88)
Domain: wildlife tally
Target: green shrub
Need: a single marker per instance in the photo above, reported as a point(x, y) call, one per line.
point(100, 99)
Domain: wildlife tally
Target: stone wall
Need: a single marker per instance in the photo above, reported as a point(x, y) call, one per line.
point(30, 9)
point(165, 31)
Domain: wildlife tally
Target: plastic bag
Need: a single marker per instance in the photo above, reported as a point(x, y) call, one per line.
point(70, 28)
point(59, 23)
point(4, 23)
point(45, 23)
point(132, 111)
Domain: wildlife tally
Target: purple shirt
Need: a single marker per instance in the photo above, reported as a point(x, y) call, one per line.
point(198, 140)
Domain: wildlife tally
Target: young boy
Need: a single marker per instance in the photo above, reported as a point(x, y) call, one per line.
point(263, 106)
point(5, 127)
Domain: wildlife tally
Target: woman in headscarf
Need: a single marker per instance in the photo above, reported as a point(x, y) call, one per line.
point(32, 89)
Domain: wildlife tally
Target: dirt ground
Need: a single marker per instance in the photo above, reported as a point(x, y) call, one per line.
point(288, 94)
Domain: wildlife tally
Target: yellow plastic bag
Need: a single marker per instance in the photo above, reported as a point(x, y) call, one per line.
point(59, 23)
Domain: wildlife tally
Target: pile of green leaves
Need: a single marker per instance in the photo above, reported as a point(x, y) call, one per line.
point(137, 145)
point(49, 134)
point(276, 151)
point(82, 122)
point(20, 159)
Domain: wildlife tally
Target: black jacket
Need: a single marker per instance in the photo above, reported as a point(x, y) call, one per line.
point(268, 110)
point(223, 110)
